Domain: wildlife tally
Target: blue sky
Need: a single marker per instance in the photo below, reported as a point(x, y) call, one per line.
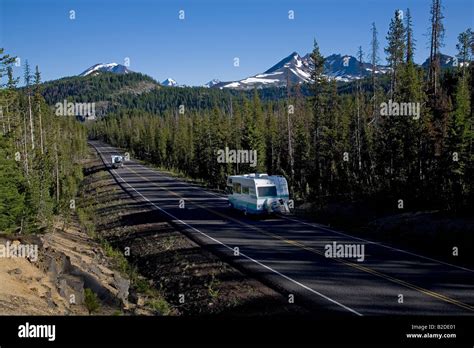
point(203, 45)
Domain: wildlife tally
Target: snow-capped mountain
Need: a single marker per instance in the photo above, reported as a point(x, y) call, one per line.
point(212, 83)
point(297, 69)
point(109, 67)
point(445, 61)
point(292, 68)
point(169, 82)
point(347, 68)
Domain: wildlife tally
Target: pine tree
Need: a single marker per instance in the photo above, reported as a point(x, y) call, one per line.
point(463, 56)
point(395, 50)
point(12, 197)
point(410, 41)
point(290, 111)
point(459, 134)
point(302, 157)
point(321, 132)
point(437, 35)
point(27, 77)
point(410, 129)
point(253, 136)
point(38, 106)
point(389, 137)
point(360, 56)
point(374, 44)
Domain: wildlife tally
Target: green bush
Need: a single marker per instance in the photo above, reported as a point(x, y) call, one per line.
point(91, 301)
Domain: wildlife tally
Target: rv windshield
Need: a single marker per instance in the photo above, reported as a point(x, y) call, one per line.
point(268, 191)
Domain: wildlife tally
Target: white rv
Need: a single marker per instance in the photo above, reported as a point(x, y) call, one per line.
point(258, 193)
point(117, 161)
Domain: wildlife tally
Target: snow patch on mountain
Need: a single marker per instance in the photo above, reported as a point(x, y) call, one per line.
point(169, 82)
point(295, 69)
point(212, 83)
point(108, 67)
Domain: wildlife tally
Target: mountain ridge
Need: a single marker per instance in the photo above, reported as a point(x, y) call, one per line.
point(105, 67)
point(292, 69)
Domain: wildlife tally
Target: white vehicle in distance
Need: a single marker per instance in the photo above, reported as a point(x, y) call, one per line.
point(258, 193)
point(117, 161)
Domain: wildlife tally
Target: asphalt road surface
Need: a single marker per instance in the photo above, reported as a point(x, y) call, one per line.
point(289, 253)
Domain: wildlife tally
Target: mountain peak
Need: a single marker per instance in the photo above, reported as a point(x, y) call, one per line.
point(295, 69)
point(292, 69)
point(293, 58)
point(107, 67)
point(445, 61)
point(212, 83)
point(169, 82)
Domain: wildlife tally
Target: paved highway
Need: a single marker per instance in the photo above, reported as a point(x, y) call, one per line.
point(289, 253)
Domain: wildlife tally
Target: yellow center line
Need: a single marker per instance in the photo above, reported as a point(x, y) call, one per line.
point(315, 251)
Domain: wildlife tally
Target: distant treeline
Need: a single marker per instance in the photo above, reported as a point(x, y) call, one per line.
point(90, 88)
point(140, 91)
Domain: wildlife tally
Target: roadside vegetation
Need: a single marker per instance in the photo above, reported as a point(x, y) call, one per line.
point(89, 203)
point(40, 155)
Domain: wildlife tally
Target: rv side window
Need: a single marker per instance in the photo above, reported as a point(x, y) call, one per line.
point(245, 190)
point(268, 191)
point(237, 187)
